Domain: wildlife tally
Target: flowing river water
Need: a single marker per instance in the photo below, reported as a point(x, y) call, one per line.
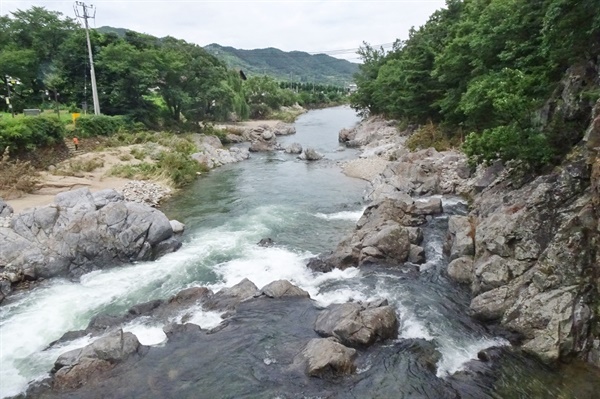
point(306, 208)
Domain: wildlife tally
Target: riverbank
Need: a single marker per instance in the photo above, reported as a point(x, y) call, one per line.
point(98, 178)
point(510, 251)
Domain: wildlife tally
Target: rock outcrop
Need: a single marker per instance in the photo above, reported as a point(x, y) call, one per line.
point(82, 232)
point(74, 368)
point(212, 154)
point(388, 232)
point(527, 249)
point(535, 264)
point(358, 325)
point(326, 358)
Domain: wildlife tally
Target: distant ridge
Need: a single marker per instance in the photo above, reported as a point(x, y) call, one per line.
point(296, 66)
point(109, 29)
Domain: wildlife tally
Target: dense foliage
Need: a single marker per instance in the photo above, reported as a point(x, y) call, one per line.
point(29, 133)
point(163, 83)
point(483, 69)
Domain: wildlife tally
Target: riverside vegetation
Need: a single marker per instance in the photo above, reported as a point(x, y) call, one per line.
point(147, 84)
point(490, 73)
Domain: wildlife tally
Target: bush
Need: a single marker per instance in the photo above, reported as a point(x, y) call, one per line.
point(30, 132)
point(428, 136)
point(179, 168)
point(101, 125)
point(509, 143)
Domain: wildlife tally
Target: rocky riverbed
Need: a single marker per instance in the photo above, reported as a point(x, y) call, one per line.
point(526, 250)
point(278, 341)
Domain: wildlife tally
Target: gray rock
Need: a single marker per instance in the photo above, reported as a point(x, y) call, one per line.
point(460, 237)
point(284, 129)
point(328, 358)
point(392, 241)
point(489, 176)
point(265, 242)
point(310, 154)
point(354, 325)
point(261, 146)
point(416, 254)
point(294, 148)
point(71, 238)
point(267, 135)
point(177, 227)
point(103, 197)
point(6, 210)
point(78, 366)
point(461, 270)
point(283, 288)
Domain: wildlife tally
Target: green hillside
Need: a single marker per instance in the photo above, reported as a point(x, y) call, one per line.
point(295, 66)
point(109, 29)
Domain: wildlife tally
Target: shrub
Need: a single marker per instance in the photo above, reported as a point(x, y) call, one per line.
point(30, 132)
point(428, 136)
point(180, 168)
point(509, 143)
point(101, 125)
point(16, 178)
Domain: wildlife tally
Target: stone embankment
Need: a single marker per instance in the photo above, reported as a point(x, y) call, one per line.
point(527, 251)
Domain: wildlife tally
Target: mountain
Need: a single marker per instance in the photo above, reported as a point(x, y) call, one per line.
point(294, 66)
point(109, 29)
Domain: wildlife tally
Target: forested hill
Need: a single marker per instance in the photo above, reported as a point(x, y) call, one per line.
point(291, 66)
point(296, 66)
point(517, 78)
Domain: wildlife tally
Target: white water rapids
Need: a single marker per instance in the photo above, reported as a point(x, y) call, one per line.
point(305, 208)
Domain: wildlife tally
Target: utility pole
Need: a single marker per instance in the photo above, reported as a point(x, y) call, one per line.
point(8, 96)
point(83, 14)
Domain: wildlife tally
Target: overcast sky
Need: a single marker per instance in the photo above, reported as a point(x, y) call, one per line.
point(311, 26)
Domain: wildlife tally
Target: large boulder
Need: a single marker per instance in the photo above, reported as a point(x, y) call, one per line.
point(294, 148)
point(80, 233)
point(310, 154)
point(354, 324)
point(284, 129)
point(74, 368)
point(283, 288)
point(326, 358)
point(388, 232)
point(460, 237)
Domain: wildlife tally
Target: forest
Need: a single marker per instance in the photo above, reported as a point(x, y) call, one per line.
point(487, 74)
point(162, 83)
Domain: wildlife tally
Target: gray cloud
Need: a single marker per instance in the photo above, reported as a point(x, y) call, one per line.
point(310, 26)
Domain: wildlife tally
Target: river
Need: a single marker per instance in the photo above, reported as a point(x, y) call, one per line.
point(306, 208)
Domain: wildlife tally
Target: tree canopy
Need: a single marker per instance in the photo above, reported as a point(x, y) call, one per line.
point(485, 67)
point(161, 82)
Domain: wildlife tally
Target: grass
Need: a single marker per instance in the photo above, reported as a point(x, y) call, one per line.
point(287, 115)
point(76, 167)
point(65, 117)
